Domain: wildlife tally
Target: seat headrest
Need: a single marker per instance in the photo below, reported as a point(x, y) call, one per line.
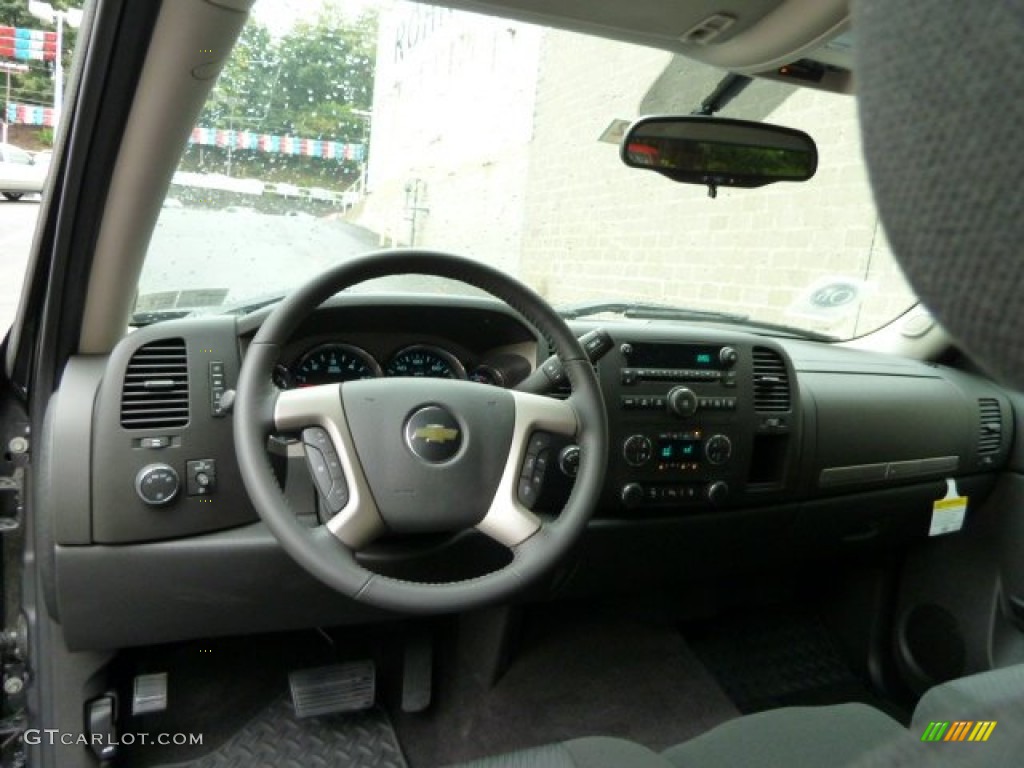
point(941, 91)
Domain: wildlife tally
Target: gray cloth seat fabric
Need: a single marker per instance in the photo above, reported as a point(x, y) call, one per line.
point(802, 737)
point(788, 738)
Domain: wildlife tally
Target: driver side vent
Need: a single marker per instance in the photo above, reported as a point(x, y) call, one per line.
point(771, 382)
point(990, 434)
point(155, 393)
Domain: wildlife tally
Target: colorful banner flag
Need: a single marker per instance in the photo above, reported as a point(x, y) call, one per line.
point(284, 145)
point(27, 114)
point(27, 44)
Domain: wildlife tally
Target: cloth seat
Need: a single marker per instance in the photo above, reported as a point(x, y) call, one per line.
point(788, 738)
point(836, 736)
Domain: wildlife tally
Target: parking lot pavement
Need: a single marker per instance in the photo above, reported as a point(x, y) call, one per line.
point(246, 253)
point(17, 225)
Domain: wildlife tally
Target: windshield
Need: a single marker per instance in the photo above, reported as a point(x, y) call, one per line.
point(360, 125)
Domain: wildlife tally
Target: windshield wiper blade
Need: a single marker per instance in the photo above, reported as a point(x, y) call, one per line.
point(150, 316)
point(651, 311)
point(648, 311)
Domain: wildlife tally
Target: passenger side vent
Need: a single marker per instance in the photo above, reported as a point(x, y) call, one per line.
point(990, 434)
point(155, 393)
point(771, 382)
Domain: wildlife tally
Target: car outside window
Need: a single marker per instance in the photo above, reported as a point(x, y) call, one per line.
point(393, 124)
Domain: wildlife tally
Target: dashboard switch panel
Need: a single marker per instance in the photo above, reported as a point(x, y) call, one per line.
point(200, 477)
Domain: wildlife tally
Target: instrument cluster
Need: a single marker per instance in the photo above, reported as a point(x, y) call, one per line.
point(336, 362)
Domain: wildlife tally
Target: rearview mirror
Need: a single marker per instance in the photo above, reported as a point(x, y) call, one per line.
point(718, 152)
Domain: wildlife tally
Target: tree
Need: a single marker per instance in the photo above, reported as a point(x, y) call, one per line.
point(311, 83)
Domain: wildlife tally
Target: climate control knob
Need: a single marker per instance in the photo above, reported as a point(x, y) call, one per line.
point(637, 450)
point(718, 449)
point(157, 484)
point(632, 495)
point(717, 492)
point(682, 401)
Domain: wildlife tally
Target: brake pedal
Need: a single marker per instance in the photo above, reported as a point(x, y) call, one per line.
point(149, 693)
point(349, 687)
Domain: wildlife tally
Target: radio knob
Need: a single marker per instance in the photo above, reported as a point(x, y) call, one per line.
point(157, 484)
point(728, 356)
point(717, 492)
point(682, 401)
point(718, 449)
point(632, 495)
point(637, 450)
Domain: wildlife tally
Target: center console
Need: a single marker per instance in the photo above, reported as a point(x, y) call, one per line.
point(697, 425)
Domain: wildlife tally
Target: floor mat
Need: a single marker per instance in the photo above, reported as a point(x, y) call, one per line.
point(617, 679)
point(275, 738)
point(771, 661)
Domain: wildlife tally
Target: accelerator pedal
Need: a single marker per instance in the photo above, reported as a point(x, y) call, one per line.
point(349, 687)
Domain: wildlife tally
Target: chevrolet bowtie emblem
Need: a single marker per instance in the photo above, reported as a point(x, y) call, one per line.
point(436, 433)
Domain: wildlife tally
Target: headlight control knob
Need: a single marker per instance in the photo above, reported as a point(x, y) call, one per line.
point(157, 484)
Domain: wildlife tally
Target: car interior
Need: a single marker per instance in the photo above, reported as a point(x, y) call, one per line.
point(514, 534)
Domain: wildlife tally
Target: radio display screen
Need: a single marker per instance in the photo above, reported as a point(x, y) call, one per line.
point(674, 449)
point(675, 356)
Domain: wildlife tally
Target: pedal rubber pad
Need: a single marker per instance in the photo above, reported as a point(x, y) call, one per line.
point(348, 687)
point(149, 693)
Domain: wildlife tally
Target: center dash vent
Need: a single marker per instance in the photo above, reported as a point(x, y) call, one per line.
point(155, 393)
point(990, 418)
point(771, 382)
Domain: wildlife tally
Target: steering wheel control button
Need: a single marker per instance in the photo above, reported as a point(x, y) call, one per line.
point(569, 460)
point(528, 492)
point(318, 468)
point(157, 484)
point(433, 434)
point(325, 466)
point(200, 477)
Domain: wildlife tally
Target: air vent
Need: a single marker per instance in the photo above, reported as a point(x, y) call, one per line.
point(771, 382)
point(155, 393)
point(990, 434)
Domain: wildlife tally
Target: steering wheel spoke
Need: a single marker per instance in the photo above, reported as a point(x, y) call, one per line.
point(345, 494)
point(438, 456)
point(508, 521)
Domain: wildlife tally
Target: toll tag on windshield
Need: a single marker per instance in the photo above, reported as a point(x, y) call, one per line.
point(948, 512)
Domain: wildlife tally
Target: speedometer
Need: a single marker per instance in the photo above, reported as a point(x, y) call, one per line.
point(333, 363)
point(425, 362)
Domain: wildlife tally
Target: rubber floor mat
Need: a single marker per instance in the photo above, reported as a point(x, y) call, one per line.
point(275, 738)
point(772, 661)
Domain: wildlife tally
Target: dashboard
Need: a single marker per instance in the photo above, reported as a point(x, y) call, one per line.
point(727, 448)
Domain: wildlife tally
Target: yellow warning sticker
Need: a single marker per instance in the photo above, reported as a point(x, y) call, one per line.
point(948, 515)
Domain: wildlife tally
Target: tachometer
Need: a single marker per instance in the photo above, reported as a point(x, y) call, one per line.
point(425, 361)
point(333, 363)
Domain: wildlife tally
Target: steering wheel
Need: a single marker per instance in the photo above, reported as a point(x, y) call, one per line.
point(417, 455)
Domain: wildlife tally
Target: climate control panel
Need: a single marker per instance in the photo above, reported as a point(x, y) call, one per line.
point(680, 411)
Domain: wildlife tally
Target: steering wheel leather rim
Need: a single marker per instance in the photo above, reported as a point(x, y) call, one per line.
point(321, 552)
